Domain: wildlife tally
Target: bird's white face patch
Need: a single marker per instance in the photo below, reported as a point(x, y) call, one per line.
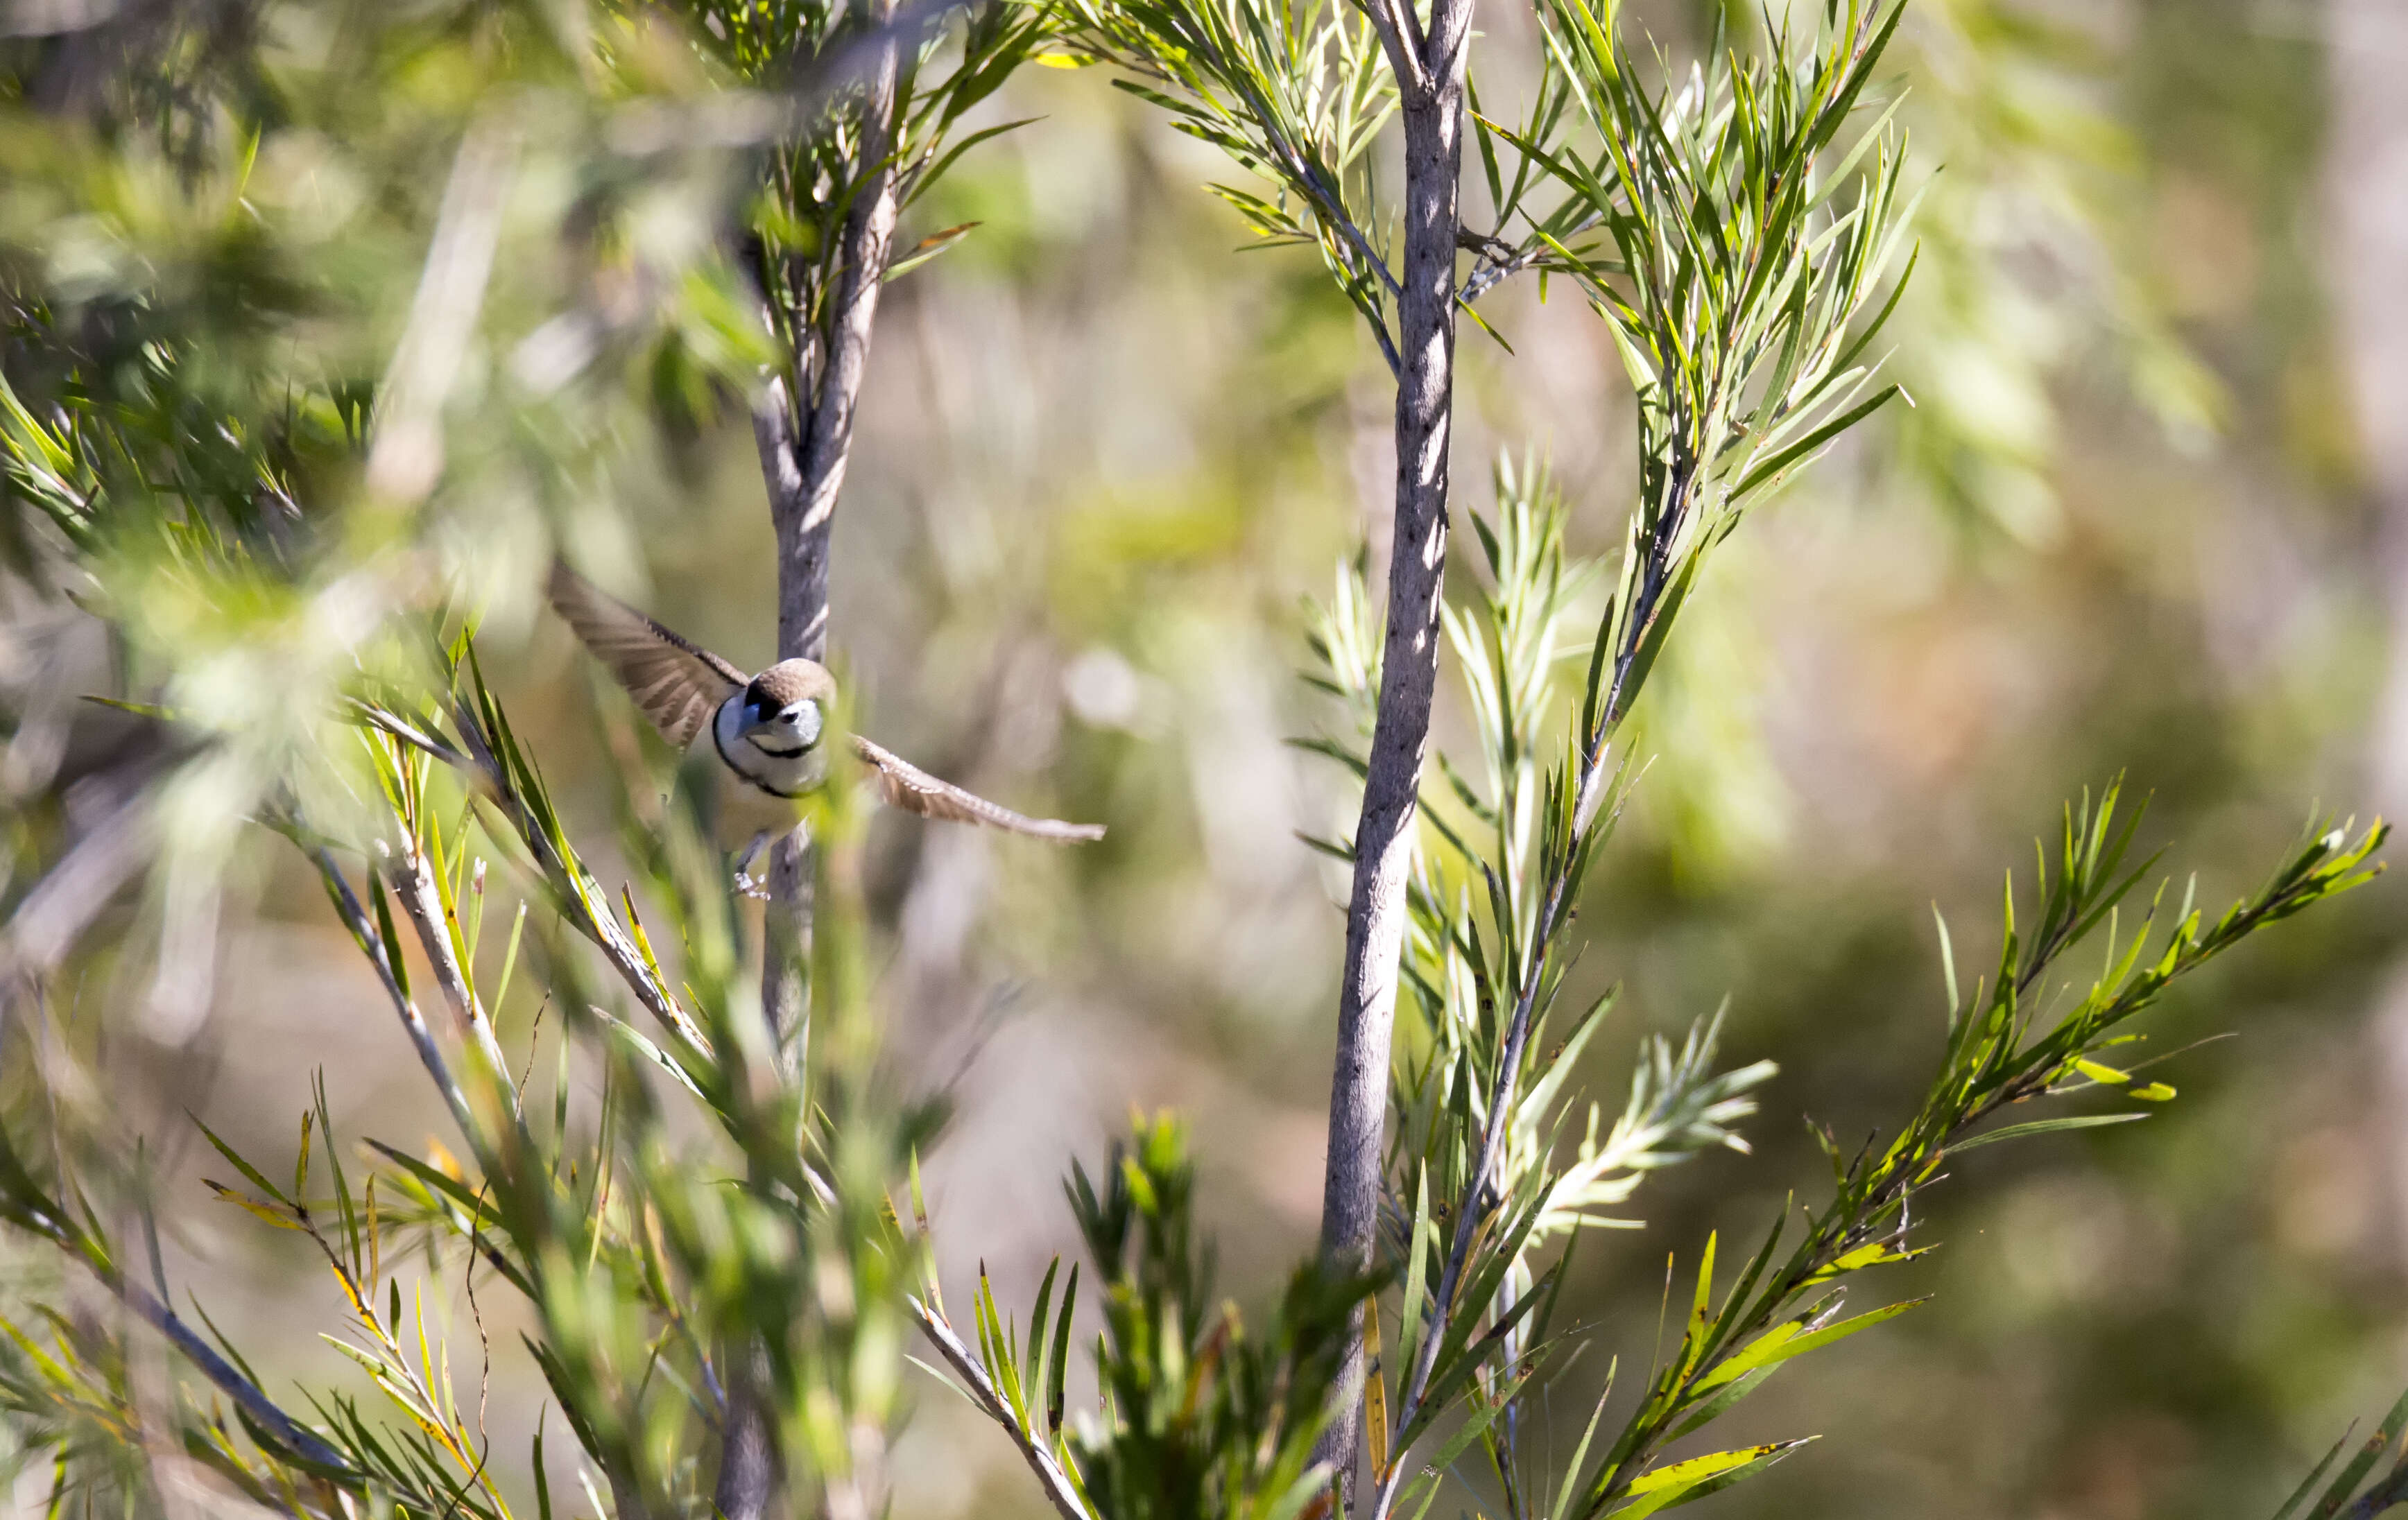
point(799, 724)
point(776, 751)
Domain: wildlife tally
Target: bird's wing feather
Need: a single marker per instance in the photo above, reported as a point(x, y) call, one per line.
point(905, 785)
point(677, 685)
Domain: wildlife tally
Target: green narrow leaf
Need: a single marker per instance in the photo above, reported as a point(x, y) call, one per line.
point(250, 1172)
point(1036, 1338)
point(1948, 964)
point(2042, 1127)
point(1682, 1482)
point(2308, 1483)
point(1782, 1342)
point(1058, 1364)
point(1814, 440)
point(543, 1479)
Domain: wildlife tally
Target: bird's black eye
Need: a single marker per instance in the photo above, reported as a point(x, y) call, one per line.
point(805, 716)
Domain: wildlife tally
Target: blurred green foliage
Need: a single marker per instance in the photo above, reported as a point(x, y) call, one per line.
point(1103, 464)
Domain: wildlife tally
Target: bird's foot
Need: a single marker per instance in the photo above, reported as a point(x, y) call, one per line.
point(746, 882)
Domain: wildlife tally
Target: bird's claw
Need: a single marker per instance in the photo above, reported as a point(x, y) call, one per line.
point(752, 886)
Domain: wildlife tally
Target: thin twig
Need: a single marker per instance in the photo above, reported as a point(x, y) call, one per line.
point(409, 734)
point(371, 944)
point(1058, 1485)
point(229, 1380)
point(1500, 261)
point(1400, 31)
point(602, 928)
point(1478, 1200)
point(412, 879)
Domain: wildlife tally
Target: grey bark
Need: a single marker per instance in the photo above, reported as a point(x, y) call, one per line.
point(802, 632)
point(1430, 75)
point(804, 436)
point(805, 440)
point(818, 423)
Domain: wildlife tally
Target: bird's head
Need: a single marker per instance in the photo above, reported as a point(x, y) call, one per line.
point(785, 708)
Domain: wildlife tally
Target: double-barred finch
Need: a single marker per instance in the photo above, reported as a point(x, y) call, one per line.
point(765, 730)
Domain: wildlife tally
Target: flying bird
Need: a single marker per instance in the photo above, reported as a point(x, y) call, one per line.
point(762, 730)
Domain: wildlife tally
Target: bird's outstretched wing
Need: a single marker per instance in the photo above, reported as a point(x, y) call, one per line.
point(678, 685)
point(905, 785)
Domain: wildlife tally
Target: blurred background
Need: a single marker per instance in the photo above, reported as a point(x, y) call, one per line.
point(2149, 515)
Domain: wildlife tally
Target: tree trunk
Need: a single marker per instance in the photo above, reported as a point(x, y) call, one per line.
point(805, 440)
point(1384, 837)
point(805, 443)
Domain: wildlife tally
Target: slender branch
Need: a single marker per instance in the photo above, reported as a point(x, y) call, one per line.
point(1479, 1195)
point(412, 879)
point(371, 943)
point(1388, 353)
point(1057, 1483)
point(802, 614)
point(1500, 261)
point(1873, 1193)
point(776, 440)
point(602, 928)
point(263, 1410)
point(1347, 241)
point(820, 436)
point(1331, 206)
point(411, 734)
point(1479, 1199)
point(1399, 32)
point(1384, 837)
point(803, 432)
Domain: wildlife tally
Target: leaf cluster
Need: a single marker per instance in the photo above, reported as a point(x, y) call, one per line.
point(1495, 1156)
point(784, 1242)
point(1743, 229)
point(1484, 1170)
point(1740, 233)
point(1200, 1416)
point(1293, 91)
point(2005, 1047)
point(878, 95)
point(641, 1249)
